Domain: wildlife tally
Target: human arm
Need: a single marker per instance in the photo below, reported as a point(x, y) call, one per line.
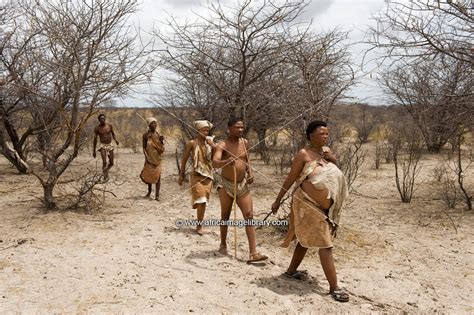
point(249, 167)
point(161, 147)
point(210, 141)
point(329, 155)
point(184, 160)
point(113, 134)
point(217, 161)
point(144, 143)
point(296, 168)
point(94, 143)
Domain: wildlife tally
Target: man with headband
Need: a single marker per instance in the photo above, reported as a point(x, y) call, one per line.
point(231, 156)
point(106, 133)
point(153, 147)
point(200, 150)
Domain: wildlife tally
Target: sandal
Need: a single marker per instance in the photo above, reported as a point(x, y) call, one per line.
point(295, 275)
point(256, 258)
point(340, 295)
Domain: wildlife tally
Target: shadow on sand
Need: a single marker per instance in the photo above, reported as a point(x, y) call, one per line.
point(286, 286)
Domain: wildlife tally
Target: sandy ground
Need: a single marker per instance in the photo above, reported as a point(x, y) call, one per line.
point(131, 258)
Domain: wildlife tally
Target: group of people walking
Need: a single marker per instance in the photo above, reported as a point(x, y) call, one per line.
point(319, 187)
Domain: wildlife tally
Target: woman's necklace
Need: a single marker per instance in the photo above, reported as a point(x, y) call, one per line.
point(318, 151)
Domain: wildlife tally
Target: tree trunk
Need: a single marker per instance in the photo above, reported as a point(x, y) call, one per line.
point(231, 112)
point(19, 165)
point(15, 154)
point(48, 196)
point(43, 141)
point(433, 147)
point(460, 176)
point(262, 144)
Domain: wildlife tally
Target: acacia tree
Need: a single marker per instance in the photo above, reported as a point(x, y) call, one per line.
point(81, 55)
point(406, 145)
point(425, 29)
point(232, 52)
point(189, 98)
point(257, 62)
point(461, 165)
point(429, 47)
point(437, 94)
point(364, 123)
point(269, 104)
point(12, 142)
point(322, 72)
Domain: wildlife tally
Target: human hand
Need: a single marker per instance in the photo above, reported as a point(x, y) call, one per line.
point(231, 161)
point(210, 141)
point(147, 160)
point(328, 155)
point(116, 142)
point(94, 154)
point(250, 179)
point(180, 180)
point(325, 150)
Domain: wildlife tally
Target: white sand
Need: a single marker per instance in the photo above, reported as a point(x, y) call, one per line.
point(131, 258)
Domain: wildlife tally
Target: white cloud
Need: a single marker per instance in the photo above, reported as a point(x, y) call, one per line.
point(182, 3)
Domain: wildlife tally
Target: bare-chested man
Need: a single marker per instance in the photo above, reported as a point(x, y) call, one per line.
point(105, 131)
point(231, 155)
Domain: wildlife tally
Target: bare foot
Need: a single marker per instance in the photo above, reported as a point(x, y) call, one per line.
point(148, 195)
point(222, 250)
point(157, 198)
point(106, 175)
point(200, 230)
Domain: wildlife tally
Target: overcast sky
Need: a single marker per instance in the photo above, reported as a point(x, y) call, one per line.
point(350, 15)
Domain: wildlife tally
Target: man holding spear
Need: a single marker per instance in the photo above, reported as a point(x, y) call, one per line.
point(233, 184)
